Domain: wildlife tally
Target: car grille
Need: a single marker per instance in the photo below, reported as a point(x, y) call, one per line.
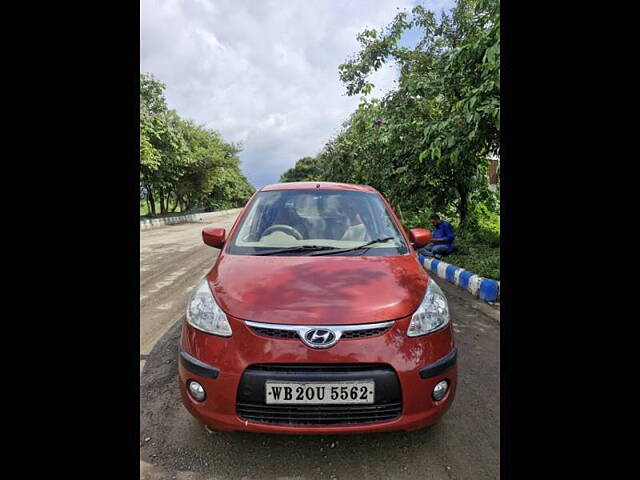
point(319, 414)
point(290, 334)
point(372, 332)
point(274, 332)
point(330, 368)
point(251, 404)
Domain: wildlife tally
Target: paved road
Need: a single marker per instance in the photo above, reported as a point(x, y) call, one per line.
point(172, 260)
point(173, 445)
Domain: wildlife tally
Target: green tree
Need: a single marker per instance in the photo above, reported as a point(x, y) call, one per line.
point(206, 155)
point(184, 162)
point(306, 169)
point(430, 139)
point(163, 150)
point(230, 187)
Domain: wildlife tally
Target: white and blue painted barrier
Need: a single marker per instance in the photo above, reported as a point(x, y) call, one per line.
point(159, 222)
point(486, 289)
point(190, 218)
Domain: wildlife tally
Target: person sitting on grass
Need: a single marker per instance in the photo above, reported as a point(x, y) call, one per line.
point(441, 238)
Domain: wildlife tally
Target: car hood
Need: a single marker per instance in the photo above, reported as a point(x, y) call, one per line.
point(318, 290)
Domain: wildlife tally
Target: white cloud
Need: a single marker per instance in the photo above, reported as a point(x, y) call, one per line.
point(264, 73)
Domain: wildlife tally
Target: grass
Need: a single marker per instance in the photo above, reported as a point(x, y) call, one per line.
point(478, 245)
point(144, 212)
point(479, 252)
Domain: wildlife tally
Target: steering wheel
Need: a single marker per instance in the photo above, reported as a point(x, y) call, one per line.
point(283, 228)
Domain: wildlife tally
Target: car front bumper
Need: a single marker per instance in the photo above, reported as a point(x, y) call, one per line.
point(219, 365)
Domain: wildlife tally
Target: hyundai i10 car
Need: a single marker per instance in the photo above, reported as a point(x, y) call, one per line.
point(317, 318)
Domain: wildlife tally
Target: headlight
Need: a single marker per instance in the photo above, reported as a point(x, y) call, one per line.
point(432, 314)
point(204, 313)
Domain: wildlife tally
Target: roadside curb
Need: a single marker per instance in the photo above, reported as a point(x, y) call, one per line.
point(485, 289)
point(190, 218)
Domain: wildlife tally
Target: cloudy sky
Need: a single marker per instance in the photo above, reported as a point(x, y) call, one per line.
point(263, 73)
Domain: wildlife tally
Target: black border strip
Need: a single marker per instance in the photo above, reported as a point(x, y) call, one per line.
point(196, 366)
point(441, 365)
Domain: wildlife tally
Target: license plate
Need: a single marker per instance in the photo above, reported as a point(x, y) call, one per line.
point(319, 393)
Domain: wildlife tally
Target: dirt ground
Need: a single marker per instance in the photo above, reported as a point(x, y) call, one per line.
point(173, 445)
point(172, 261)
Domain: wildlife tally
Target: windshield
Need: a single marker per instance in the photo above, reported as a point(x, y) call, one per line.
point(327, 219)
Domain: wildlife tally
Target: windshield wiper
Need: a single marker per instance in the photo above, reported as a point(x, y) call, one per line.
point(359, 247)
point(300, 248)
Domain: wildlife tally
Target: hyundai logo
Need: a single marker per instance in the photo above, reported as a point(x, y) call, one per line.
point(320, 338)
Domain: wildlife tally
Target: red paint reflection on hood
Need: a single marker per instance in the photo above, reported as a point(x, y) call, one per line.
point(318, 290)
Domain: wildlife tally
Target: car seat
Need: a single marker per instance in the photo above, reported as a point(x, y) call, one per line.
point(289, 216)
point(355, 233)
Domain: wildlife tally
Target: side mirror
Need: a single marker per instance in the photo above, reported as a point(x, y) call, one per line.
point(419, 237)
point(213, 236)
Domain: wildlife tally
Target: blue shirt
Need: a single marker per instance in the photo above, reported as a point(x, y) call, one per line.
point(444, 230)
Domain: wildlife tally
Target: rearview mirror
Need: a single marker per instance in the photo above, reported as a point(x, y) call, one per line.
point(419, 237)
point(213, 236)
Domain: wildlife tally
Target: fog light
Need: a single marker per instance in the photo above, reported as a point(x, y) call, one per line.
point(196, 390)
point(440, 390)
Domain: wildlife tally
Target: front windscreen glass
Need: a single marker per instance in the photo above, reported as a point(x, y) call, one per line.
point(303, 222)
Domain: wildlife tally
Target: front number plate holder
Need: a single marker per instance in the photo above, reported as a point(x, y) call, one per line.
point(319, 393)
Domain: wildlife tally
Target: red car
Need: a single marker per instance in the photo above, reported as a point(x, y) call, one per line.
point(317, 318)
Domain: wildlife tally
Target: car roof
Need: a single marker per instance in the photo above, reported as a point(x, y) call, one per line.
point(318, 186)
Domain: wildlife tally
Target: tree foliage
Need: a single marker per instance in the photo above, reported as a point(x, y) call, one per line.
point(182, 162)
point(306, 169)
point(428, 141)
